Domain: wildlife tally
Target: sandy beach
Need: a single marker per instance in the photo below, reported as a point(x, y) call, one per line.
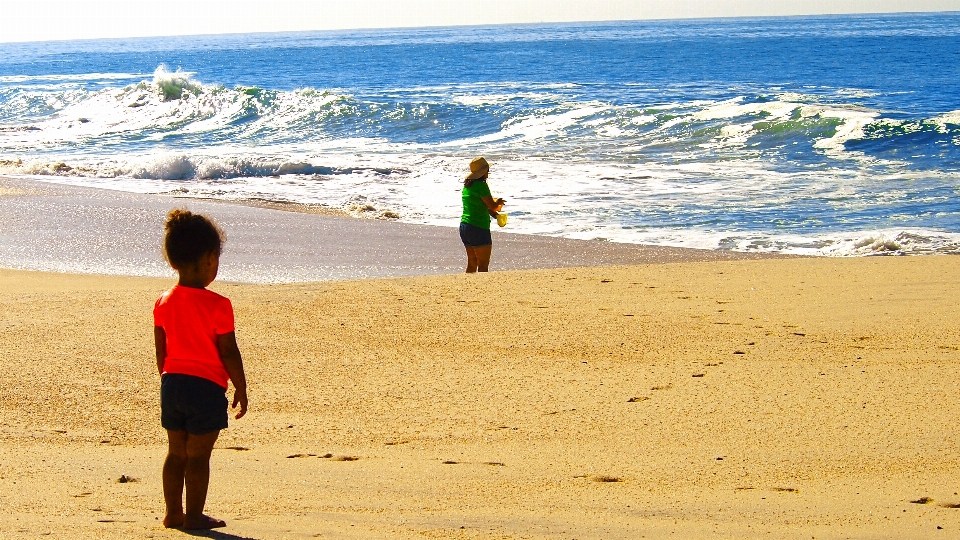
point(760, 398)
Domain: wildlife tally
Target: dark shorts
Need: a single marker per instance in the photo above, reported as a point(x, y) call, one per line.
point(473, 236)
point(192, 404)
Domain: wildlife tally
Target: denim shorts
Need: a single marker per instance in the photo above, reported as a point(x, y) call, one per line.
point(473, 236)
point(192, 404)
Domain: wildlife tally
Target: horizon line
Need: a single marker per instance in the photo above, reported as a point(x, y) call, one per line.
point(487, 25)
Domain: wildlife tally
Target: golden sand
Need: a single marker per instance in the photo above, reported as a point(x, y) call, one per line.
point(791, 398)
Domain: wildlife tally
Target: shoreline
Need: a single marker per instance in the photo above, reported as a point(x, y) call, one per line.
point(99, 231)
point(285, 206)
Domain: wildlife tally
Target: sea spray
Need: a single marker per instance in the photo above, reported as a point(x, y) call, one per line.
point(173, 84)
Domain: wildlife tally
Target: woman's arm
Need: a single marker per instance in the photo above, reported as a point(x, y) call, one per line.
point(493, 205)
point(160, 342)
point(230, 356)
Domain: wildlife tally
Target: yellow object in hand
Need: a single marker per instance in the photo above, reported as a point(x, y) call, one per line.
point(502, 219)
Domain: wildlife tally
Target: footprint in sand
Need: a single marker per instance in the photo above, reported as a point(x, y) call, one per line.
point(345, 458)
point(605, 478)
point(637, 399)
point(125, 479)
point(923, 500)
point(600, 478)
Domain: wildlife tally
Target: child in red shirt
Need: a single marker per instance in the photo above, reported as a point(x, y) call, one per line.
point(197, 354)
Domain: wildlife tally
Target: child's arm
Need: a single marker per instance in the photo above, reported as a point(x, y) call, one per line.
point(493, 205)
point(230, 356)
point(160, 341)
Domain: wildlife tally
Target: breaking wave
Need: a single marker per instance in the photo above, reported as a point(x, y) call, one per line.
point(174, 111)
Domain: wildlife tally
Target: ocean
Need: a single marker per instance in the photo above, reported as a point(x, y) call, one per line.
point(833, 135)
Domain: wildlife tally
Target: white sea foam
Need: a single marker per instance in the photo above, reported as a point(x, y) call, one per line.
point(532, 128)
point(733, 109)
point(892, 242)
point(951, 118)
point(574, 200)
point(851, 126)
point(643, 119)
point(171, 104)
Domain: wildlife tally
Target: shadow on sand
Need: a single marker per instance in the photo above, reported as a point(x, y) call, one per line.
point(216, 535)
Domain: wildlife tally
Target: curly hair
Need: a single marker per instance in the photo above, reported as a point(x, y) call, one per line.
point(190, 237)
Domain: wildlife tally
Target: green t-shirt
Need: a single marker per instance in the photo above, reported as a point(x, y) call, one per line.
point(474, 210)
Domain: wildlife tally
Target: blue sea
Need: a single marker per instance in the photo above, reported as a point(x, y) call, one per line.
point(834, 135)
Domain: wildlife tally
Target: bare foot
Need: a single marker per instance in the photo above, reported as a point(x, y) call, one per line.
point(205, 522)
point(174, 521)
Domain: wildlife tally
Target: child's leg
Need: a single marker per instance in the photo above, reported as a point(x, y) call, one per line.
point(197, 478)
point(483, 257)
point(471, 259)
point(173, 471)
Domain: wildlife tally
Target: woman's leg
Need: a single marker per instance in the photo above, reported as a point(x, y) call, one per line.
point(482, 254)
point(472, 259)
point(197, 479)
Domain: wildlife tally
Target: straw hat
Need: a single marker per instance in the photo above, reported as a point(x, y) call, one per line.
point(478, 168)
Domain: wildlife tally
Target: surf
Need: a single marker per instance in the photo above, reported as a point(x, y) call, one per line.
point(672, 133)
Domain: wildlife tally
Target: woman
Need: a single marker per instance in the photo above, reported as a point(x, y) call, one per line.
point(478, 207)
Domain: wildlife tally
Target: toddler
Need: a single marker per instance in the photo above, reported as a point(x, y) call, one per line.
point(197, 354)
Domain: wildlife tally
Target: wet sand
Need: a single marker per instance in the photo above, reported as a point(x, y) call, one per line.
point(771, 398)
point(82, 230)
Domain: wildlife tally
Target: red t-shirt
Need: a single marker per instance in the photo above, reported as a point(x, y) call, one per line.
point(191, 319)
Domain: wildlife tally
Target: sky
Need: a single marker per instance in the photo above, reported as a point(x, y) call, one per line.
point(43, 20)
